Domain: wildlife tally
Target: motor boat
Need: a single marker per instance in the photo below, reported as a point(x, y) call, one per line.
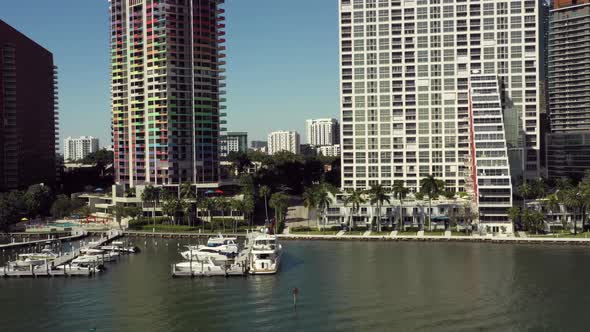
point(265, 254)
point(95, 256)
point(208, 268)
point(221, 245)
point(201, 253)
point(27, 260)
point(35, 259)
point(120, 247)
point(80, 267)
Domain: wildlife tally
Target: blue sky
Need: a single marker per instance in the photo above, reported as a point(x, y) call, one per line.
point(282, 61)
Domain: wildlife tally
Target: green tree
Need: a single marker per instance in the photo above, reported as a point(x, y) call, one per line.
point(249, 207)
point(170, 207)
point(378, 195)
point(280, 203)
point(573, 202)
point(239, 160)
point(323, 200)
point(355, 199)
point(514, 215)
point(151, 195)
point(526, 191)
point(264, 192)
point(38, 199)
point(431, 187)
point(539, 187)
point(309, 201)
point(400, 192)
point(120, 212)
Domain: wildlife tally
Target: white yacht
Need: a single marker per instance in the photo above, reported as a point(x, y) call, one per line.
point(227, 246)
point(265, 254)
point(208, 268)
point(201, 253)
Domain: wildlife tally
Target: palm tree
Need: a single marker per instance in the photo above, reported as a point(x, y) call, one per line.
point(170, 207)
point(378, 195)
point(309, 201)
point(514, 213)
point(400, 192)
point(538, 187)
point(432, 187)
point(551, 203)
point(419, 197)
point(238, 205)
point(149, 195)
point(525, 191)
point(323, 200)
point(264, 191)
point(356, 199)
point(280, 203)
point(572, 200)
point(248, 207)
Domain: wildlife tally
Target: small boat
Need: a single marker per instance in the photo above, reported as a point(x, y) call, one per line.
point(80, 267)
point(28, 260)
point(35, 259)
point(120, 248)
point(265, 254)
point(96, 256)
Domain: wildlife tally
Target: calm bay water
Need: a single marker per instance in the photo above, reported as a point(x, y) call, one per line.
point(352, 286)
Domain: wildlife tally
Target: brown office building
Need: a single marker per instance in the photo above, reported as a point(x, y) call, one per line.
point(28, 111)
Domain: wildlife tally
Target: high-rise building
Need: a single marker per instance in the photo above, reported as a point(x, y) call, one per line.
point(76, 148)
point(322, 132)
point(167, 86)
point(28, 111)
point(283, 141)
point(233, 142)
point(405, 71)
point(568, 145)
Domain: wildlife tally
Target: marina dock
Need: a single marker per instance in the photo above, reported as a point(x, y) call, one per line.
point(74, 236)
point(48, 269)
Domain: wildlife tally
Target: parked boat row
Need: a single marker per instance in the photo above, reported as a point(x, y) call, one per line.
point(261, 254)
point(90, 258)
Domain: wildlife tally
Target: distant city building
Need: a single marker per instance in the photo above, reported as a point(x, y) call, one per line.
point(76, 148)
point(167, 64)
point(233, 142)
point(568, 144)
point(283, 141)
point(307, 150)
point(28, 112)
point(321, 132)
point(329, 150)
point(259, 145)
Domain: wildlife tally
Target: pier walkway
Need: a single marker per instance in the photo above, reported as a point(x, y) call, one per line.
point(75, 235)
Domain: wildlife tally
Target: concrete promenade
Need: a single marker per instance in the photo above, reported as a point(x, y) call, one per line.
point(345, 237)
point(430, 238)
